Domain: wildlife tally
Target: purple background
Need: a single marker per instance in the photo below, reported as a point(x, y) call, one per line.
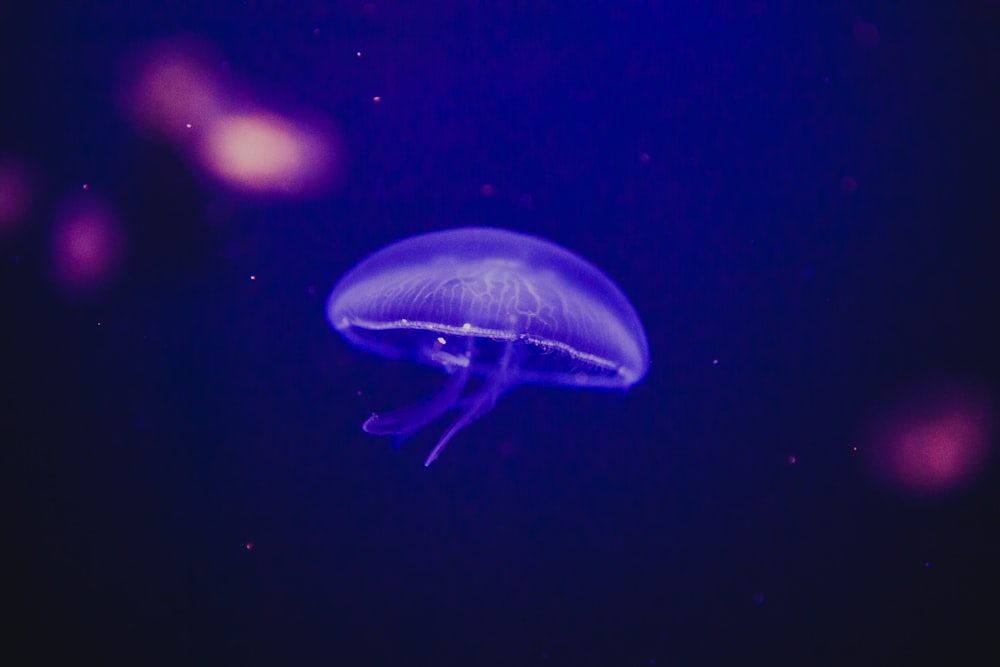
point(664, 526)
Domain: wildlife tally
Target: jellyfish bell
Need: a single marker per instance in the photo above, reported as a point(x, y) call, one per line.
point(503, 306)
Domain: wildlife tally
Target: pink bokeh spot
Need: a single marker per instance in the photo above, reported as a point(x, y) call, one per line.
point(87, 245)
point(933, 439)
point(173, 89)
point(15, 193)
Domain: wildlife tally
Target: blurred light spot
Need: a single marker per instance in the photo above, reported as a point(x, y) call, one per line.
point(377, 99)
point(171, 87)
point(249, 546)
point(644, 158)
point(358, 54)
point(87, 246)
point(865, 34)
point(792, 460)
point(487, 190)
point(15, 193)
point(179, 90)
point(932, 439)
point(715, 362)
point(265, 152)
point(86, 186)
point(848, 185)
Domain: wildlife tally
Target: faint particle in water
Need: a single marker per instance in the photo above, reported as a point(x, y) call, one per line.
point(377, 99)
point(487, 190)
point(715, 362)
point(506, 307)
point(865, 34)
point(248, 546)
point(792, 460)
point(508, 448)
point(644, 158)
point(848, 185)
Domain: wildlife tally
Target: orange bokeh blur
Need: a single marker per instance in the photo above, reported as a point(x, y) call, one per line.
point(265, 152)
point(176, 90)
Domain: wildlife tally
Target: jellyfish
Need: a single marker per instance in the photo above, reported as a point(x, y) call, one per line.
point(501, 306)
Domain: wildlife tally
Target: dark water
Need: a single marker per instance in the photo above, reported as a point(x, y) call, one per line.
point(798, 200)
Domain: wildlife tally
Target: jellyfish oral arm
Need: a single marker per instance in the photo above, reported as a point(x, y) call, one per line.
point(475, 407)
point(479, 403)
point(414, 417)
point(409, 419)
